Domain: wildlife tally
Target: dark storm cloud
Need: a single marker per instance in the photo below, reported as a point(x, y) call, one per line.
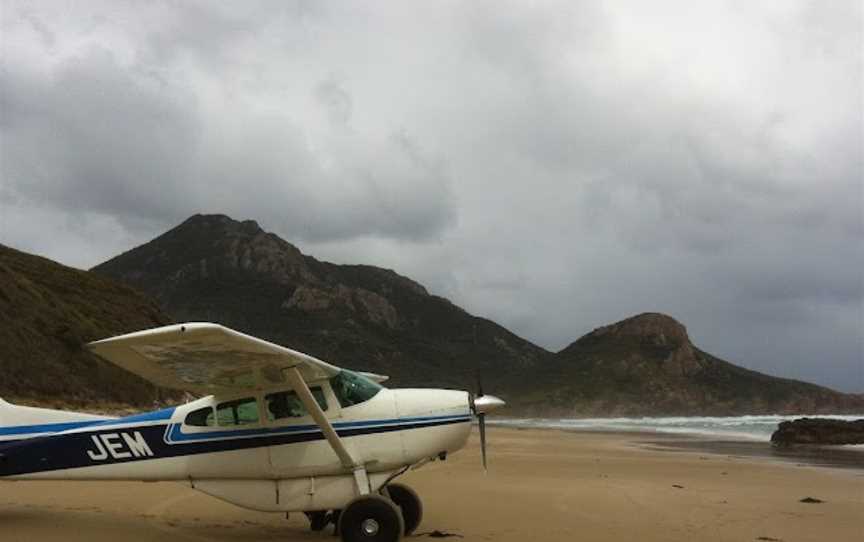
point(96, 137)
point(553, 167)
point(117, 132)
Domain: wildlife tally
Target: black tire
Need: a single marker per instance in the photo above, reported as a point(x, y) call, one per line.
point(409, 504)
point(371, 518)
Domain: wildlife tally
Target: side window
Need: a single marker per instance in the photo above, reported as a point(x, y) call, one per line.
point(286, 404)
point(203, 417)
point(237, 412)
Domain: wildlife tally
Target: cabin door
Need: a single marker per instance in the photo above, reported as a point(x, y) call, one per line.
point(298, 447)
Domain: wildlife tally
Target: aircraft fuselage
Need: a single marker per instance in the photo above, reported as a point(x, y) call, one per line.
point(391, 430)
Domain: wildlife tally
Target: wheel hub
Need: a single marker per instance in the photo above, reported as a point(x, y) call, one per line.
point(370, 527)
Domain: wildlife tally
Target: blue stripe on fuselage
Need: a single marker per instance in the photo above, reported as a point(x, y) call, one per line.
point(156, 415)
point(175, 433)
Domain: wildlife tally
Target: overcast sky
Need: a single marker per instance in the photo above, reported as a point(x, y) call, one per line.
point(553, 167)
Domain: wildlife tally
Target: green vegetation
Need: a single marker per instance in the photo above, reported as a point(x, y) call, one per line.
point(47, 313)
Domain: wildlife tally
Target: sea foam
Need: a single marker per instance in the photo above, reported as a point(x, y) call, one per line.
point(747, 428)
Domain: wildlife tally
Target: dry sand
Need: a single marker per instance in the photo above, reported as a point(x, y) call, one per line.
point(542, 485)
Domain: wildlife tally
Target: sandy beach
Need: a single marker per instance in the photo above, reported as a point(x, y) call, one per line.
point(542, 485)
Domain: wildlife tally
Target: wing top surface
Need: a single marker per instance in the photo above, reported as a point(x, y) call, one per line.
point(207, 358)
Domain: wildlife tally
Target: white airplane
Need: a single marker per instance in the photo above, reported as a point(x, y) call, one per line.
point(278, 431)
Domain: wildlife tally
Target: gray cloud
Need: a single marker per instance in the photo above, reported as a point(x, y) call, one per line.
point(335, 100)
point(96, 137)
point(553, 167)
point(122, 126)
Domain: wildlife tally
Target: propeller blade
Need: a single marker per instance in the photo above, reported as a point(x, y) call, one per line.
point(481, 418)
point(480, 405)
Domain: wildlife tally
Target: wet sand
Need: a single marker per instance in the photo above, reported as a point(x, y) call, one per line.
point(841, 457)
point(542, 485)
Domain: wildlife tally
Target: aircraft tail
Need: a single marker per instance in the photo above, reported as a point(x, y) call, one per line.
point(20, 422)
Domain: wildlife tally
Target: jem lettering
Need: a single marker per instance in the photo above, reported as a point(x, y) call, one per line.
point(119, 446)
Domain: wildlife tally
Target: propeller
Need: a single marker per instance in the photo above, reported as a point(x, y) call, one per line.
point(480, 405)
point(481, 421)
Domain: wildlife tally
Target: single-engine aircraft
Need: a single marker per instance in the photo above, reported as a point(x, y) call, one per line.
point(277, 431)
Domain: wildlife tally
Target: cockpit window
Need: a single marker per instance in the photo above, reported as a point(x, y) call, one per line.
point(351, 388)
point(237, 412)
point(286, 404)
point(203, 417)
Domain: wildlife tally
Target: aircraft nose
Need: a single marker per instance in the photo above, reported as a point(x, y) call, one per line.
point(487, 403)
point(439, 421)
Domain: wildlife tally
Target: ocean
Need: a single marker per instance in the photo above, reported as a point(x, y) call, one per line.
point(735, 428)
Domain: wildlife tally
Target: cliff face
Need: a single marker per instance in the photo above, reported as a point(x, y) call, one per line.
point(47, 313)
point(217, 269)
point(648, 336)
point(647, 365)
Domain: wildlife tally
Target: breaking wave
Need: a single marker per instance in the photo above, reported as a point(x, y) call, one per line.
point(756, 428)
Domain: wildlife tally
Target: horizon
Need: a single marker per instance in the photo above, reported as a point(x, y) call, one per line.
point(552, 168)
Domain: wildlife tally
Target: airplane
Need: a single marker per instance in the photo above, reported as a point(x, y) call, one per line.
point(276, 430)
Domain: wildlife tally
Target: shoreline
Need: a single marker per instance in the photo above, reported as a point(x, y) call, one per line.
point(819, 456)
point(845, 457)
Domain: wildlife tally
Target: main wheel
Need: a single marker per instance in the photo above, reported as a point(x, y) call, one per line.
point(371, 518)
point(409, 503)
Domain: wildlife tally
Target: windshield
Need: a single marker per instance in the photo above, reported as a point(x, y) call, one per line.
point(351, 388)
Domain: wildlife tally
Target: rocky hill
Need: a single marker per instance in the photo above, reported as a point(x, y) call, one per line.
point(647, 365)
point(213, 268)
point(47, 312)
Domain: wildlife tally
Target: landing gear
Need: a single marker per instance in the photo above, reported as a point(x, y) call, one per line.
point(320, 519)
point(409, 503)
point(371, 518)
point(317, 520)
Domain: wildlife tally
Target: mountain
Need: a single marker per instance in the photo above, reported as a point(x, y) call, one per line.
point(647, 365)
point(47, 312)
point(213, 268)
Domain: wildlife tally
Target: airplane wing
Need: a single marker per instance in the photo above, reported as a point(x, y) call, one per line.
point(207, 358)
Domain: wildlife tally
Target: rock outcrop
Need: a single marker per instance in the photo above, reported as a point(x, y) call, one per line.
point(819, 431)
point(647, 365)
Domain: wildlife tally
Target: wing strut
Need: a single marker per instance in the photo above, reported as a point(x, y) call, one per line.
point(305, 395)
